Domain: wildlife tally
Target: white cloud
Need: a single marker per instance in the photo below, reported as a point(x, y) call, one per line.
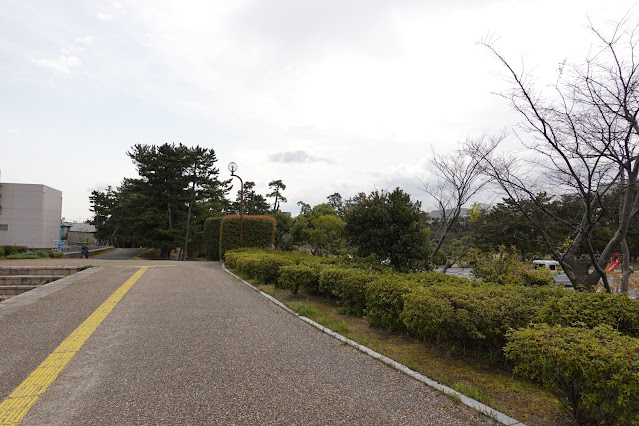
point(85, 40)
point(63, 63)
point(104, 17)
point(296, 157)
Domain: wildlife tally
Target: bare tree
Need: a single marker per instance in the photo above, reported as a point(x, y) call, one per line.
point(459, 178)
point(585, 143)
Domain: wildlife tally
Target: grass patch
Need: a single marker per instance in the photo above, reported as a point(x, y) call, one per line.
point(474, 393)
point(267, 288)
point(82, 268)
point(310, 311)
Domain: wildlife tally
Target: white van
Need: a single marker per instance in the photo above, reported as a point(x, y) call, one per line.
point(553, 265)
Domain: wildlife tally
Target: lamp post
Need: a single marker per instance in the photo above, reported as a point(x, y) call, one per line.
point(232, 169)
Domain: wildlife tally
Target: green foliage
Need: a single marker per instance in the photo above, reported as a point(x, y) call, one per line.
point(320, 227)
point(508, 269)
point(284, 223)
point(37, 254)
point(474, 319)
point(593, 372)
point(9, 250)
point(389, 226)
point(294, 276)
point(277, 187)
point(211, 236)
point(348, 286)
point(592, 309)
point(1, 251)
point(166, 206)
point(258, 231)
point(385, 300)
point(254, 203)
point(264, 267)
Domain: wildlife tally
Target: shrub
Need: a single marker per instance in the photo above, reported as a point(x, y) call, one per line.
point(211, 236)
point(265, 267)
point(258, 231)
point(350, 291)
point(508, 269)
point(593, 372)
point(385, 296)
point(9, 250)
point(473, 319)
point(385, 300)
point(294, 276)
point(1, 251)
point(592, 309)
point(331, 276)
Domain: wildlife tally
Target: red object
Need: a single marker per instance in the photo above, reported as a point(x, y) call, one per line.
point(616, 261)
point(613, 265)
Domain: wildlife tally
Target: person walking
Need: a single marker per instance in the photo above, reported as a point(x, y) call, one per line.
point(84, 252)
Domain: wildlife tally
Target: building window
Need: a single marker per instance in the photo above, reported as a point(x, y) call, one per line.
point(4, 227)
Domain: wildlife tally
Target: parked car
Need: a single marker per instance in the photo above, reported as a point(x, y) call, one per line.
point(553, 265)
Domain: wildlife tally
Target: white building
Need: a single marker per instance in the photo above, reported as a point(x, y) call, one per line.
point(30, 215)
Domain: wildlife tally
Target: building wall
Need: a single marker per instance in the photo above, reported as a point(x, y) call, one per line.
point(31, 215)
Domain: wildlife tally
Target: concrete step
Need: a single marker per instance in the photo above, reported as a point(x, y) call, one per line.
point(7, 291)
point(27, 279)
point(38, 270)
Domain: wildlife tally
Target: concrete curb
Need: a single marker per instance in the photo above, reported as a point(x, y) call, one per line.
point(18, 302)
point(490, 412)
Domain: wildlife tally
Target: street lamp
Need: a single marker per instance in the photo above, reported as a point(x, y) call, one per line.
point(232, 169)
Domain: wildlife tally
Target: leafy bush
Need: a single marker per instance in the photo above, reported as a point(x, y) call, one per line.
point(9, 250)
point(1, 251)
point(350, 291)
point(38, 254)
point(385, 296)
point(593, 372)
point(472, 319)
point(591, 309)
point(264, 267)
point(211, 236)
point(294, 276)
point(385, 300)
point(507, 269)
point(257, 231)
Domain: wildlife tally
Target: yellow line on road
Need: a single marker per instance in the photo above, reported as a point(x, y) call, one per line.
point(20, 401)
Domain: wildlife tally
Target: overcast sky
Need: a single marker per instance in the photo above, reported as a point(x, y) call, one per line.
point(329, 96)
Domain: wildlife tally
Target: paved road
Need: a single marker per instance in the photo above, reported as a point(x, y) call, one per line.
point(121, 254)
point(189, 344)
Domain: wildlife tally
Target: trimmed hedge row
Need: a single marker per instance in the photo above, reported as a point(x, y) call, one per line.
point(592, 309)
point(257, 231)
point(593, 372)
point(473, 319)
point(592, 368)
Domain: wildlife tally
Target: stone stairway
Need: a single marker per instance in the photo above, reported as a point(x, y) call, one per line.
point(16, 280)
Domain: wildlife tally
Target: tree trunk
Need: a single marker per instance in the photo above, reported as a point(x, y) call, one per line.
point(625, 266)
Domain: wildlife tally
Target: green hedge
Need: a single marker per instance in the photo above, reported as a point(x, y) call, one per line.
point(257, 231)
point(472, 319)
point(294, 276)
point(385, 300)
point(593, 309)
point(593, 372)
point(211, 236)
point(385, 296)
point(9, 250)
point(348, 286)
point(265, 267)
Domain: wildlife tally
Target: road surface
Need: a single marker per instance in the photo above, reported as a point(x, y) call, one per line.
point(187, 343)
